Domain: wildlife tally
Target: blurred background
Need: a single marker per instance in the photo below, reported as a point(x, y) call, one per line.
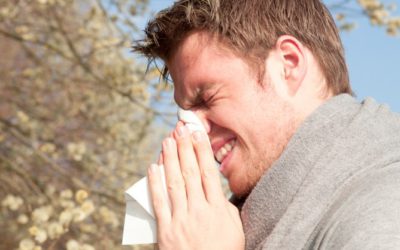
point(81, 117)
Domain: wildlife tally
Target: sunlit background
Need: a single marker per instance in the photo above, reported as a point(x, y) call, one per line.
point(81, 117)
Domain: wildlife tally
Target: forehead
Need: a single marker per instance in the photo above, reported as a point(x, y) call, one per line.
point(197, 63)
point(194, 47)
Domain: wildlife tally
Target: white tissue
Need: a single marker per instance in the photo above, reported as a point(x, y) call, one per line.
point(192, 122)
point(140, 226)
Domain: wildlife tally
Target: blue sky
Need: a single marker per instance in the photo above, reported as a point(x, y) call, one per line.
point(372, 58)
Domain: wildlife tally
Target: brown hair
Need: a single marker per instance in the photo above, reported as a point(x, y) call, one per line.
point(251, 28)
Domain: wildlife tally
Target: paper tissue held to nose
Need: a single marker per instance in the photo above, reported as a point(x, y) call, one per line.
point(140, 226)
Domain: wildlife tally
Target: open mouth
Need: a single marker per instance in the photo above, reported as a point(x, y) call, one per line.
point(224, 151)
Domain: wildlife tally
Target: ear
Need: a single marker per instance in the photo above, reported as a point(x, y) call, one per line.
point(292, 55)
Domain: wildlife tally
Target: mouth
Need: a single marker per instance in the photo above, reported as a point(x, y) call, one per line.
point(224, 151)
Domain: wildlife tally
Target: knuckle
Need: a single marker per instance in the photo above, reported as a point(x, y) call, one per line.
point(157, 203)
point(189, 172)
point(207, 173)
point(174, 185)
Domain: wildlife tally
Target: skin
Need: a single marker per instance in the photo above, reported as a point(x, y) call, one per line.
point(197, 200)
point(233, 104)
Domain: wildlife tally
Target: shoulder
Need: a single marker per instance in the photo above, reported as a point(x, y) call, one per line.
point(366, 215)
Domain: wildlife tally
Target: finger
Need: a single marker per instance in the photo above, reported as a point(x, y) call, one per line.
point(160, 160)
point(209, 171)
point(189, 165)
point(159, 200)
point(174, 180)
point(174, 133)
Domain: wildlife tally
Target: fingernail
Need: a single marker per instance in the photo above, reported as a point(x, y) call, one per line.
point(198, 136)
point(182, 131)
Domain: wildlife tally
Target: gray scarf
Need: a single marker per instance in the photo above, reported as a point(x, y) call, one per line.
point(334, 152)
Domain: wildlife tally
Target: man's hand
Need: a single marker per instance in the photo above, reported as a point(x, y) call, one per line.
point(200, 216)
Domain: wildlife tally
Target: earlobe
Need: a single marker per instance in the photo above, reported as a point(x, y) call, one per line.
point(293, 61)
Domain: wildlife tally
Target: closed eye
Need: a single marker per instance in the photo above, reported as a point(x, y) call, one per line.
point(207, 100)
point(198, 104)
point(203, 99)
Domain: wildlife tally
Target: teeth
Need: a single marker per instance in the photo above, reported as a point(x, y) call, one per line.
point(223, 151)
point(228, 147)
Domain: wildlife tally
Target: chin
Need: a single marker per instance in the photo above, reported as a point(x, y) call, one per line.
point(242, 184)
point(240, 189)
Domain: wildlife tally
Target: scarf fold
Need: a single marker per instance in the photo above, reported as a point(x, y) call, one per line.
point(341, 141)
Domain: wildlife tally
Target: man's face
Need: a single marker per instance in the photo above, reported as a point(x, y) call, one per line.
point(248, 122)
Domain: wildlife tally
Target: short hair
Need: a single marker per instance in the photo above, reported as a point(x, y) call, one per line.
point(251, 29)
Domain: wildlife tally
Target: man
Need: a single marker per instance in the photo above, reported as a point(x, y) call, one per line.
point(313, 168)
